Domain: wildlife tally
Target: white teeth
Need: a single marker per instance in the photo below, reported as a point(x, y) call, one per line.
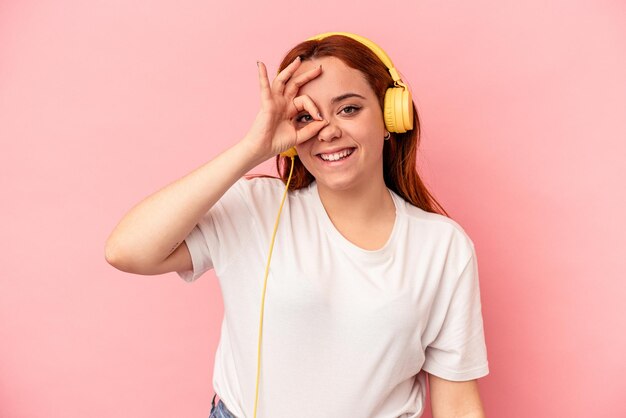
point(336, 156)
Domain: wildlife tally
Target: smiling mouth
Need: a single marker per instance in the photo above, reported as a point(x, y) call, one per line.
point(336, 156)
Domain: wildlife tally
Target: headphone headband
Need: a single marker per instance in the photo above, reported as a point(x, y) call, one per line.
point(371, 45)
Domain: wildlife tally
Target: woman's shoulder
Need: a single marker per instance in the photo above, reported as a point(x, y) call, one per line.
point(436, 223)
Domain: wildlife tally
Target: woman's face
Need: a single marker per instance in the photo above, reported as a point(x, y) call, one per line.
point(355, 124)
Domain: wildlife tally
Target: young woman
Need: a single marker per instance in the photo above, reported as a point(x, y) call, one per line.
point(371, 290)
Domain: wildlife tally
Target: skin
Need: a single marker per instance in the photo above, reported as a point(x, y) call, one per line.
point(454, 399)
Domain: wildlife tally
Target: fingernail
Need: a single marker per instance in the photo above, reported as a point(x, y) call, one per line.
point(320, 116)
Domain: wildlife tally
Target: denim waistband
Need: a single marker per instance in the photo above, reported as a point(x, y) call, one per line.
point(220, 411)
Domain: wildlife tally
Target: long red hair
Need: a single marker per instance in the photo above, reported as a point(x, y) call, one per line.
point(399, 152)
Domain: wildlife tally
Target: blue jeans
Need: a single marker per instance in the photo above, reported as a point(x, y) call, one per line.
point(220, 411)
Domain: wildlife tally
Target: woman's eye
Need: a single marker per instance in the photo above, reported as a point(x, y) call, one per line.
point(350, 107)
point(299, 118)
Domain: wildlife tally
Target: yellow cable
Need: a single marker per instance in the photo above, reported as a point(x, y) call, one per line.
point(267, 268)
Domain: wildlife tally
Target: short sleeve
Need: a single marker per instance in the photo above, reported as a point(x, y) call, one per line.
point(218, 235)
point(459, 351)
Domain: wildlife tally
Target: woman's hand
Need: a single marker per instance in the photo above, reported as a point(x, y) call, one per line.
point(274, 129)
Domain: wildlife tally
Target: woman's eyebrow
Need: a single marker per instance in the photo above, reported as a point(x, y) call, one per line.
point(345, 96)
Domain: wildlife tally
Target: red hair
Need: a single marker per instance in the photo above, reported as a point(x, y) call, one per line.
point(399, 152)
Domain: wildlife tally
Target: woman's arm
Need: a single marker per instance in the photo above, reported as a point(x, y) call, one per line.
point(450, 399)
point(156, 226)
point(152, 230)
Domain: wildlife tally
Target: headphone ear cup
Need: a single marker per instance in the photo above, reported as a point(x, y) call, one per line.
point(398, 112)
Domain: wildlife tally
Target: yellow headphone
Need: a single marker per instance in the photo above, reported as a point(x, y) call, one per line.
point(398, 114)
point(398, 105)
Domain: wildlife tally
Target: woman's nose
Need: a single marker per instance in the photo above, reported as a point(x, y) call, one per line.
point(329, 133)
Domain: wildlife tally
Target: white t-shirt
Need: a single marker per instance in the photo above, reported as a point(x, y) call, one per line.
point(347, 332)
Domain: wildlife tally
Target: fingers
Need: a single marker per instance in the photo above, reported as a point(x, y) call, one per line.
point(278, 85)
point(304, 102)
point(266, 93)
point(308, 131)
point(282, 85)
point(297, 82)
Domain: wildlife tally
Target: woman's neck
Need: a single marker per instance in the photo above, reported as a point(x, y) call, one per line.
point(366, 204)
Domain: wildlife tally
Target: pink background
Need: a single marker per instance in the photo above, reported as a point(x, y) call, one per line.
point(102, 103)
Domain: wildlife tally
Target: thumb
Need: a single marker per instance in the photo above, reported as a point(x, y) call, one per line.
point(311, 129)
